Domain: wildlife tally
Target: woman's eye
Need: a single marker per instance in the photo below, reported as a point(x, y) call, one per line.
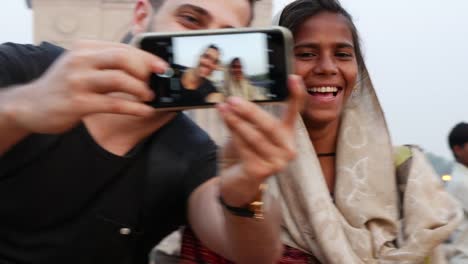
point(305, 55)
point(344, 55)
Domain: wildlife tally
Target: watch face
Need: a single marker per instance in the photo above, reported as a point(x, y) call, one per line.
point(257, 209)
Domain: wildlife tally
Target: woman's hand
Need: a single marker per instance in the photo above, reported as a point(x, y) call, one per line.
point(261, 145)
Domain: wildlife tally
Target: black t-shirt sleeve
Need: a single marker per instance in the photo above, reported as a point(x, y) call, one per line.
point(22, 63)
point(201, 169)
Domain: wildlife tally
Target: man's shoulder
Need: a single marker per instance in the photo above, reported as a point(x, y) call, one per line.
point(44, 51)
point(44, 46)
point(21, 63)
point(460, 171)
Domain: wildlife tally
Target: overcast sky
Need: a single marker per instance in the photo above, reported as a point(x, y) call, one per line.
point(416, 51)
point(251, 48)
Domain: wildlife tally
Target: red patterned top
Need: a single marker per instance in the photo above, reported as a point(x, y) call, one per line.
point(193, 252)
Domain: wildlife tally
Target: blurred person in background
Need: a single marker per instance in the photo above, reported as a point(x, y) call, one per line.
point(458, 187)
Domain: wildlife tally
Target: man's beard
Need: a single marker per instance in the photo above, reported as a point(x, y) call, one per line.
point(151, 27)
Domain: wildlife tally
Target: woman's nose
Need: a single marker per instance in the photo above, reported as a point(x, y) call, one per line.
point(326, 65)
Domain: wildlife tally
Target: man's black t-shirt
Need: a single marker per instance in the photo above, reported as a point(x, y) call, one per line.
point(23, 63)
point(64, 199)
point(171, 90)
point(197, 96)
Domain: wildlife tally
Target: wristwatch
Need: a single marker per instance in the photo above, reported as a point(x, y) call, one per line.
point(252, 210)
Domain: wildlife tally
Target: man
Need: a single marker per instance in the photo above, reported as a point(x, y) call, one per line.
point(191, 85)
point(91, 174)
point(458, 187)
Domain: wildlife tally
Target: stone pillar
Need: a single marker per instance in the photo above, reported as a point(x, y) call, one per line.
point(63, 21)
point(263, 13)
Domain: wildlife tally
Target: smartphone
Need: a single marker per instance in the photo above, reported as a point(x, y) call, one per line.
point(207, 66)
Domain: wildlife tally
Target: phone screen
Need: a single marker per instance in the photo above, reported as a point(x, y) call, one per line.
point(206, 69)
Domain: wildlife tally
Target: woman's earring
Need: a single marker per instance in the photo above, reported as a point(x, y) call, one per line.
point(355, 91)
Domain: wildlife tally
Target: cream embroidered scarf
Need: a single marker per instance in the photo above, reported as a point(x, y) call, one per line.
point(368, 222)
point(242, 88)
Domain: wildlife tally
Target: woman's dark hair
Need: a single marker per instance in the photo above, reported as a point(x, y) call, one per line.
point(236, 59)
point(297, 12)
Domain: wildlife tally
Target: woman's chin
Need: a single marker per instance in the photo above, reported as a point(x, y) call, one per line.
point(320, 117)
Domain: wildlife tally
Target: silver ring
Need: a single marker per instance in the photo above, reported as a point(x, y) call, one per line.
point(167, 74)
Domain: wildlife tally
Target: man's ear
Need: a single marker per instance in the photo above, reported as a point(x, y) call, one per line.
point(141, 16)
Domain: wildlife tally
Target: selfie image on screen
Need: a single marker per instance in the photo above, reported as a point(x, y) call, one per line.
point(207, 69)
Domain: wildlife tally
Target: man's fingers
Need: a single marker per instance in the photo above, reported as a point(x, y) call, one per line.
point(296, 101)
point(97, 44)
point(99, 103)
point(118, 81)
point(135, 62)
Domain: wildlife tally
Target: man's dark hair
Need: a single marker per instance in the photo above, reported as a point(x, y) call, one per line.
point(157, 4)
point(296, 13)
point(212, 46)
point(458, 136)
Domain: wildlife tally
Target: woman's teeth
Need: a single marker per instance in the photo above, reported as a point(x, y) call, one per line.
point(327, 89)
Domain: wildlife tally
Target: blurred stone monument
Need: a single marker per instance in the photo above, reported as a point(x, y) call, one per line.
point(64, 21)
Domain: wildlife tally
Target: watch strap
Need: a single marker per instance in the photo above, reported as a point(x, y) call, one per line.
point(252, 210)
point(238, 211)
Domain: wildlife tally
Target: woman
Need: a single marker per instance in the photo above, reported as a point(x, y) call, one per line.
point(235, 83)
point(349, 197)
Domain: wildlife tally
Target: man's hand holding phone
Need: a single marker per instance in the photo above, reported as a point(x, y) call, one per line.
point(83, 82)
